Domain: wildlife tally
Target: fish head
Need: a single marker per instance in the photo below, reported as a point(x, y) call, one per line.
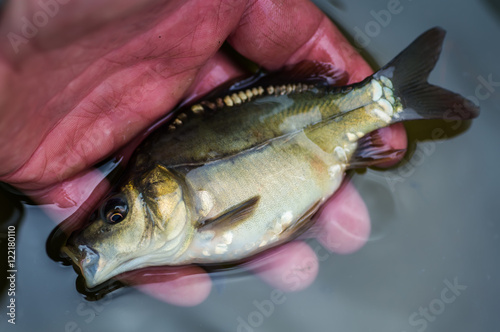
point(144, 224)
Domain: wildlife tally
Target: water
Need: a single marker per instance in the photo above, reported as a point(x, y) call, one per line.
point(435, 223)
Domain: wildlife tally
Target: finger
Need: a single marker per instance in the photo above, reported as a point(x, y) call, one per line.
point(394, 137)
point(290, 267)
point(344, 222)
point(274, 33)
point(74, 199)
point(217, 70)
point(184, 286)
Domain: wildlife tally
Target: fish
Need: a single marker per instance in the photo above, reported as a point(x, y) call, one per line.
point(246, 167)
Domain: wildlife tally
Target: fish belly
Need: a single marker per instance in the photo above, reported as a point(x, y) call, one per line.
point(290, 175)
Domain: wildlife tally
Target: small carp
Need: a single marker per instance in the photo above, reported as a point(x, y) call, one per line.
point(244, 169)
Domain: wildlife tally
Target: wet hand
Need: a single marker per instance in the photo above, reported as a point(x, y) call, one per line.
point(100, 73)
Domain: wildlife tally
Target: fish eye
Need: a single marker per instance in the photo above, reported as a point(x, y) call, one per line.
point(114, 210)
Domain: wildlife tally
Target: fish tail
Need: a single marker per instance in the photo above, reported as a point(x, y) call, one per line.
point(400, 92)
point(406, 77)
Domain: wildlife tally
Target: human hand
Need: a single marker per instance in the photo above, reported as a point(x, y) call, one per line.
point(99, 73)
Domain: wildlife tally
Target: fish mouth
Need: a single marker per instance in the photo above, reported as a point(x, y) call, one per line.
point(87, 260)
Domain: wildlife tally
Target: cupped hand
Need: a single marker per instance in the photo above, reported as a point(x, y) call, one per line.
point(99, 73)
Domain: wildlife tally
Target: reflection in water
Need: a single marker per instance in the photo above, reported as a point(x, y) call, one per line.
point(431, 131)
point(495, 6)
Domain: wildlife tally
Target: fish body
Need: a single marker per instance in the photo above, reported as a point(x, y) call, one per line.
point(241, 172)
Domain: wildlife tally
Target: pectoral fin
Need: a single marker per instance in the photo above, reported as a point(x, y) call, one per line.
point(231, 217)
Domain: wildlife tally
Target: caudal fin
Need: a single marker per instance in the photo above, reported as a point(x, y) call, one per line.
point(409, 71)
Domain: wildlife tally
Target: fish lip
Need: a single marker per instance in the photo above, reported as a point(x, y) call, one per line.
point(86, 259)
point(71, 253)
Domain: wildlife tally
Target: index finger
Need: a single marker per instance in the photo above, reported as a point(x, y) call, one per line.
point(275, 33)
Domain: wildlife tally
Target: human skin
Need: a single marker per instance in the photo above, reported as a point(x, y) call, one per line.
point(101, 72)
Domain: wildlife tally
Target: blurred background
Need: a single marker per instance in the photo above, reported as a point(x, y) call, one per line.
point(430, 264)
